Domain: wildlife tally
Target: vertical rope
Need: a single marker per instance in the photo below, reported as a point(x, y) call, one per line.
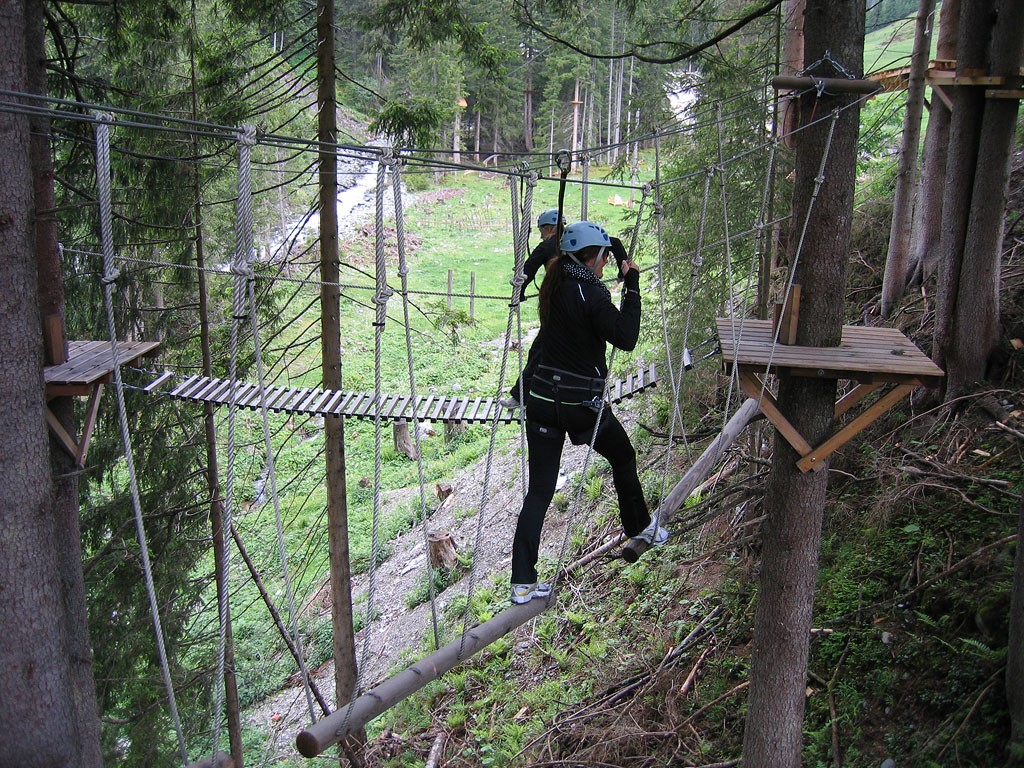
point(247, 254)
point(380, 301)
point(818, 181)
point(512, 313)
point(728, 252)
point(110, 275)
point(403, 272)
point(675, 370)
point(525, 226)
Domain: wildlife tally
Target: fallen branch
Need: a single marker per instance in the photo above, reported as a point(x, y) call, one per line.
point(719, 700)
point(435, 751)
point(974, 708)
point(953, 569)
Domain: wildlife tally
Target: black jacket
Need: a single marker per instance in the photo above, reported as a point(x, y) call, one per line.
point(540, 255)
point(582, 319)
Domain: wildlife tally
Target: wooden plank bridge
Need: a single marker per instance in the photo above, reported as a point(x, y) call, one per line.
point(360, 405)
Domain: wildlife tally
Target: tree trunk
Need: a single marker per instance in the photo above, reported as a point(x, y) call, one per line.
point(403, 440)
point(927, 221)
point(443, 550)
point(527, 97)
point(330, 329)
point(47, 706)
point(895, 281)
point(452, 429)
point(967, 310)
point(217, 528)
point(576, 116)
point(794, 501)
point(1015, 646)
point(974, 332)
point(792, 62)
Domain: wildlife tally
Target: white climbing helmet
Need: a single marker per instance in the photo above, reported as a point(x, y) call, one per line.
point(549, 218)
point(584, 234)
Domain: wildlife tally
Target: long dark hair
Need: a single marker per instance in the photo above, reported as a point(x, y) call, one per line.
point(553, 274)
point(552, 279)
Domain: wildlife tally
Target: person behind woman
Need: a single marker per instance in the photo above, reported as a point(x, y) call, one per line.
point(577, 320)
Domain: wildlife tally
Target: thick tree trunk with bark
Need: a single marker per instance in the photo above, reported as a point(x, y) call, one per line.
point(47, 697)
point(794, 501)
point(792, 61)
point(977, 170)
point(927, 220)
point(1015, 646)
point(330, 329)
point(898, 257)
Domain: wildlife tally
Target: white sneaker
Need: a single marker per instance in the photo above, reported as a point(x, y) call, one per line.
point(509, 402)
point(654, 534)
point(524, 593)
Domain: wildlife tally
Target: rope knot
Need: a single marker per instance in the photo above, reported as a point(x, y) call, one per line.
point(110, 277)
point(389, 158)
point(531, 177)
point(241, 269)
point(381, 298)
point(648, 188)
point(247, 136)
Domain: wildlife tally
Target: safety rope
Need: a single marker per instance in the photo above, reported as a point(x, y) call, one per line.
point(677, 371)
point(110, 275)
point(819, 180)
point(247, 255)
point(394, 163)
point(517, 281)
point(380, 301)
point(723, 190)
point(525, 222)
point(576, 503)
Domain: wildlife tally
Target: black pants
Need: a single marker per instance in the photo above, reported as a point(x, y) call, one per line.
point(547, 424)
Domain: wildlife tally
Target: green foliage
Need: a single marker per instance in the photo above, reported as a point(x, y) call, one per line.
point(409, 125)
point(442, 579)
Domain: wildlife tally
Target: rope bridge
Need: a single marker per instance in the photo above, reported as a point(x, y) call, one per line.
point(360, 405)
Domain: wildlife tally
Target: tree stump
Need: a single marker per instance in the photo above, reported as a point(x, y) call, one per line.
point(443, 551)
point(444, 490)
point(453, 429)
point(403, 441)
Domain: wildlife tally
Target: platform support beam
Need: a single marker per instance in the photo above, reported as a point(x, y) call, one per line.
point(77, 448)
point(701, 468)
point(351, 717)
point(814, 456)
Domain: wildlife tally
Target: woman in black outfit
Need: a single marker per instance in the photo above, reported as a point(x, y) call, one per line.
point(577, 319)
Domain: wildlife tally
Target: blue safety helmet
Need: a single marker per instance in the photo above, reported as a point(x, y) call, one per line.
point(584, 234)
point(549, 218)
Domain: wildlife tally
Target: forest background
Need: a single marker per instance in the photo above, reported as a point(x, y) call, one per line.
point(424, 86)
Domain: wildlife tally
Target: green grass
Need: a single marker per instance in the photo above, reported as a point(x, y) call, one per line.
point(452, 355)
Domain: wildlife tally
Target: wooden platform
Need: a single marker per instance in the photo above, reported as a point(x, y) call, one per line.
point(90, 363)
point(360, 405)
point(871, 357)
point(89, 366)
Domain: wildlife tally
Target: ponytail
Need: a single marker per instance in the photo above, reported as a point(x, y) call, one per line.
point(552, 279)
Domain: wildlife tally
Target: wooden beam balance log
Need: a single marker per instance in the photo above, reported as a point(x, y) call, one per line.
point(355, 715)
point(701, 468)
